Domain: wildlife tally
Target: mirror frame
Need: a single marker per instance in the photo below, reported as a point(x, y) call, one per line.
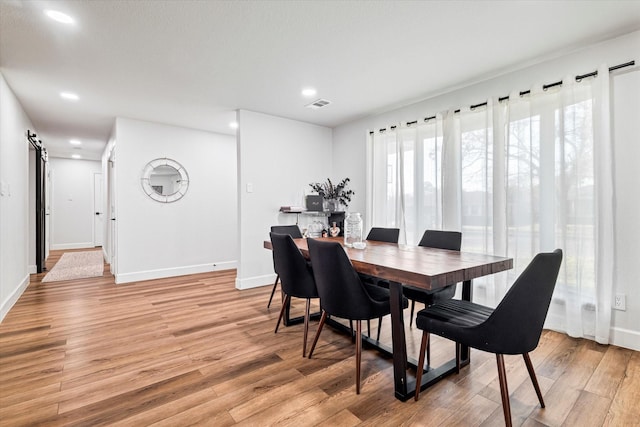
point(146, 180)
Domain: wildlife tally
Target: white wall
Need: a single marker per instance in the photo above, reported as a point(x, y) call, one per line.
point(626, 131)
point(14, 191)
point(278, 158)
point(72, 202)
point(195, 234)
point(349, 142)
point(31, 197)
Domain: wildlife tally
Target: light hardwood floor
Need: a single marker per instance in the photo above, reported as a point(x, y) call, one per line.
point(193, 350)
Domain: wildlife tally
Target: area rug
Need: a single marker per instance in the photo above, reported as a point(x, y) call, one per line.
point(76, 265)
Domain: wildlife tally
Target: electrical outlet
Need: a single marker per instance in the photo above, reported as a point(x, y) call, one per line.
point(620, 302)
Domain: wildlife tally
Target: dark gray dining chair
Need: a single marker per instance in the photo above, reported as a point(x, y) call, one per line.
point(438, 239)
point(382, 234)
point(291, 230)
point(513, 327)
point(296, 277)
point(342, 293)
point(379, 234)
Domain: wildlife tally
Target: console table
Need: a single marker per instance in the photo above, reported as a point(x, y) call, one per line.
point(337, 217)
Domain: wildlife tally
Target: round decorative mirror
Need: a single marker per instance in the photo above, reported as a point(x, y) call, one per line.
point(165, 180)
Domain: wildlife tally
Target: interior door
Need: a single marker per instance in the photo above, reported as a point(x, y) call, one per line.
point(41, 177)
point(98, 209)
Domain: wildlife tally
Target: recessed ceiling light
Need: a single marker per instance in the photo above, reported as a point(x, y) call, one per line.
point(309, 92)
point(70, 96)
point(76, 156)
point(75, 142)
point(233, 125)
point(59, 16)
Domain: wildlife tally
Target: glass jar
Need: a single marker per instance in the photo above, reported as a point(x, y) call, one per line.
point(353, 230)
point(315, 229)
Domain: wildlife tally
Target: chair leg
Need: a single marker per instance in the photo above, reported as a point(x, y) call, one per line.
point(358, 353)
point(306, 327)
point(323, 319)
point(420, 367)
point(413, 307)
point(457, 358)
point(379, 328)
point(287, 300)
point(368, 327)
point(351, 330)
point(275, 284)
point(504, 390)
point(534, 380)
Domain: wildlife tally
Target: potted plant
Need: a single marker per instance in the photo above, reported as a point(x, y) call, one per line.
point(334, 195)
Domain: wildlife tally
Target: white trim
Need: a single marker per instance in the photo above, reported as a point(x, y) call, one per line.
point(173, 272)
point(256, 281)
point(13, 298)
point(81, 245)
point(32, 269)
point(625, 338)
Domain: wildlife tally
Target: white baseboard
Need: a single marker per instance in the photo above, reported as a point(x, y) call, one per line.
point(80, 245)
point(32, 269)
point(13, 298)
point(255, 282)
point(173, 272)
point(625, 338)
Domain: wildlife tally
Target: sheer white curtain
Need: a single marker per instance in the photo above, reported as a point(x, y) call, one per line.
point(517, 178)
point(406, 179)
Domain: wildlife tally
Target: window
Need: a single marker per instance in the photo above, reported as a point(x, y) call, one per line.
point(517, 178)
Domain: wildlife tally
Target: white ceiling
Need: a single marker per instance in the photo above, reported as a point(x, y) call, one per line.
point(192, 63)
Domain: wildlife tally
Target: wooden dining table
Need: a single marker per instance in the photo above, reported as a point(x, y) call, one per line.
point(426, 268)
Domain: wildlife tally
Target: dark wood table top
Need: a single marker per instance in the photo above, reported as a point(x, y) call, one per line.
point(426, 268)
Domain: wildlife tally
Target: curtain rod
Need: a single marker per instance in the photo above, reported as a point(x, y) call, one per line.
point(526, 92)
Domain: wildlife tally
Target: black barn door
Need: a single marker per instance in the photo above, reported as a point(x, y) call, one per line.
point(41, 182)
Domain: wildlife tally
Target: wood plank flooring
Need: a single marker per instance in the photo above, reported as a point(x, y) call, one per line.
point(193, 350)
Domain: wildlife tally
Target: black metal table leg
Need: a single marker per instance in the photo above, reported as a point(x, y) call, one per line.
point(398, 340)
point(467, 295)
point(405, 387)
point(287, 320)
point(434, 375)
